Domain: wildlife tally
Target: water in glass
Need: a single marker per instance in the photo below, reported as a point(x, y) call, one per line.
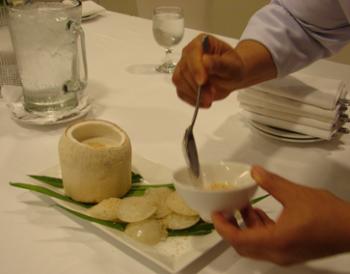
point(46, 54)
point(168, 30)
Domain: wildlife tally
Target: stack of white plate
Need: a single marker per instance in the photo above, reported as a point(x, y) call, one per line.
point(282, 134)
point(297, 108)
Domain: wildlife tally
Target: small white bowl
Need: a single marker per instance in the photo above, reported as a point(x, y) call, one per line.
point(200, 195)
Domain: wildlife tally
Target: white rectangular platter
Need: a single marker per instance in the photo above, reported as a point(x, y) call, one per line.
point(173, 254)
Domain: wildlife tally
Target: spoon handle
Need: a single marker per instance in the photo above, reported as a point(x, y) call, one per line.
point(205, 47)
point(205, 44)
point(194, 117)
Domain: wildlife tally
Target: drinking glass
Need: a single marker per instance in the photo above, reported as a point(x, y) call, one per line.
point(8, 68)
point(168, 30)
point(45, 35)
point(3, 15)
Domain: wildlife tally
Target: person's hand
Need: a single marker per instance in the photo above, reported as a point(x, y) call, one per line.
point(218, 69)
point(314, 223)
point(221, 69)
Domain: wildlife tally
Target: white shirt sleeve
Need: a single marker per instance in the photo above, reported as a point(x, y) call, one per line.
point(299, 32)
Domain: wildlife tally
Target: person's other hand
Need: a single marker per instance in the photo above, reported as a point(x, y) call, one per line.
point(221, 69)
point(314, 223)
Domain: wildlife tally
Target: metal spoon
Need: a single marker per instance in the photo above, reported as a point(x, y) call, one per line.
point(189, 144)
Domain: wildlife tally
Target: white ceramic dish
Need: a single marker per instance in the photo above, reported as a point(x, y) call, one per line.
point(90, 16)
point(289, 140)
point(175, 253)
point(19, 113)
point(232, 182)
point(281, 132)
point(282, 135)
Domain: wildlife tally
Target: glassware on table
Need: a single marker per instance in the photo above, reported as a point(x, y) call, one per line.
point(3, 15)
point(8, 68)
point(45, 37)
point(168, 30)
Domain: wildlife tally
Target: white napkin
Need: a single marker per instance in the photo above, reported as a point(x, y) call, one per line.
point(290, 117)
point(317, 91)
point(273, 102)
point(91, 8)
point(300, 103)
point(296, 127)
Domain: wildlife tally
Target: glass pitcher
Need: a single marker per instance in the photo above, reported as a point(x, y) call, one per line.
point(45, 36)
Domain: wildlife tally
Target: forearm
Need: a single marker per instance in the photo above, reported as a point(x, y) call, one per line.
point(344, 226)
point(294, 36)
point(257, 62)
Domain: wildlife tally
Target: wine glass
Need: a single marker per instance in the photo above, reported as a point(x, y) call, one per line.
point(168, 30)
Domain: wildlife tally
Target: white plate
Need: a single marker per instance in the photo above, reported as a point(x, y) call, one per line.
point(280, 132)
point(282, 135)
point(90, 10)
point(175, 253)
point(90, 16)
point(19, 114)
point(93, 15)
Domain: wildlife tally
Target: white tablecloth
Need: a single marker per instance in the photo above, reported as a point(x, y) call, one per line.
point(35, 238)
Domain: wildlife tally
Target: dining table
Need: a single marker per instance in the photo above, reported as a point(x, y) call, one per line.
point(123, 87)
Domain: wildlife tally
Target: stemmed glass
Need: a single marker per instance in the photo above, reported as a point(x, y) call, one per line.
point(168, 30)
